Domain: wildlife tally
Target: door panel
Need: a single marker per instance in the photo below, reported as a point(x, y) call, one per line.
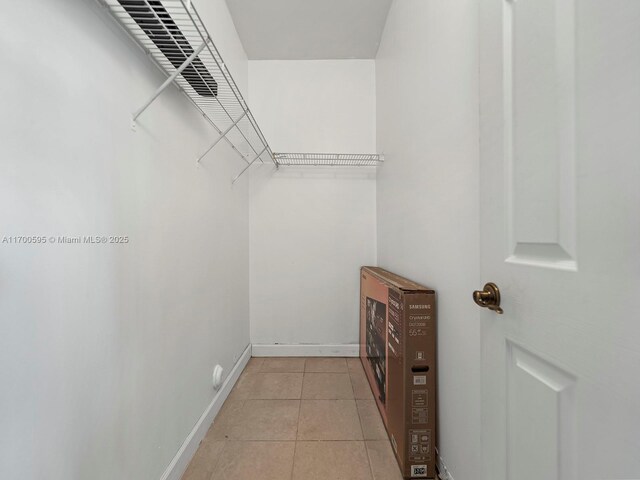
point(560, 236)
point(541, 408)
point(539, 89)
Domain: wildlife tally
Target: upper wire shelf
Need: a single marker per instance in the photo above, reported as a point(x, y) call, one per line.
point(328, 159)
point(173, 33)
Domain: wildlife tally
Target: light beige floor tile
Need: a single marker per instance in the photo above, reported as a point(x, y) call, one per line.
point(372, 426)
point(229, 416)
point(283, 365)
point(329, 420)
point(243, 385)
point(331, 461)
point(327, 386)
point(360, 384)
point(229, 406)
point(204, 461)
point(253, 365)
point(265, 420)
point(267, 386)
point(255, 460)
point(383, 462)
point(326, 365)
point(354, 364)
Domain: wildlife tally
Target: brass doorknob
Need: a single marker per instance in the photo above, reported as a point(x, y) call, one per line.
point(489, 297)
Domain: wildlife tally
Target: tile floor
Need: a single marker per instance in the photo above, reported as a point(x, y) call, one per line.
point(297, 419)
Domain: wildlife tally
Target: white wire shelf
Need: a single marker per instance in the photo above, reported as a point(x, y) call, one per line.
point(172, 32)
point(328, 159)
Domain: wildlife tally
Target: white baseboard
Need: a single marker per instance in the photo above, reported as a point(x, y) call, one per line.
point(181, 460)
point(303, 350)
point(445, 474)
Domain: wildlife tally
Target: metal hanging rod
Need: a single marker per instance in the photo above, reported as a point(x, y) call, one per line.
point(173, 34)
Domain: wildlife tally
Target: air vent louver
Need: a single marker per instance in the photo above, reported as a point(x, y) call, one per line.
point(155, 21)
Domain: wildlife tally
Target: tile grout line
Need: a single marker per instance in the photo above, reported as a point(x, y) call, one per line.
point(300, 403)
point(359, 418)
point(226, 439)
point(364, 440)
point(366, 447)
point(293, 460)
point(214, 470)
point(353, 389)
point(355, 399)
point(295, 445)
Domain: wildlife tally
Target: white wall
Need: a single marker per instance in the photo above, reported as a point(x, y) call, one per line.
point(315, 105)
point(428, 191)
point(106, 351)
point(311, 229)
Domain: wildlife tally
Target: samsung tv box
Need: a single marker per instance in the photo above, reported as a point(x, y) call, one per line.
point(398, 353)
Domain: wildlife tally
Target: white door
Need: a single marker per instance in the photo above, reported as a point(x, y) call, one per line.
point(560, 232)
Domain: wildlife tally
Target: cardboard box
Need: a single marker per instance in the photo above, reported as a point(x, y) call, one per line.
point(398, 353)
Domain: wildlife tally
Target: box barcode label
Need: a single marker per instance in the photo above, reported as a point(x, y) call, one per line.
point(420, 380)
point(418, 471)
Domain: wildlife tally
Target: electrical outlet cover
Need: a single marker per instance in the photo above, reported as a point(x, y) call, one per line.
point(218, 372)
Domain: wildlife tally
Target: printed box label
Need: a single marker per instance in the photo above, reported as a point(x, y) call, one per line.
point(418, 471)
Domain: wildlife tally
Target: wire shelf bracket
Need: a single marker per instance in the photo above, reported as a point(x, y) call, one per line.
point(248, 166)
point(221, 136)
point(170, 80)
point(173, 34)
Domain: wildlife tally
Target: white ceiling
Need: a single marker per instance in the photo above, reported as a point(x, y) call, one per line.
point(309, 29)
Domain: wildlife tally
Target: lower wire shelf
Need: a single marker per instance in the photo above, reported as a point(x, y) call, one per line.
point(328, 159)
